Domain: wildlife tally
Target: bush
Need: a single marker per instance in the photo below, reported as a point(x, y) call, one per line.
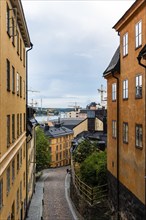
point(93, 169)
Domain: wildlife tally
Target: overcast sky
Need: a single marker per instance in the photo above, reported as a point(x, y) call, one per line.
point(73, 44)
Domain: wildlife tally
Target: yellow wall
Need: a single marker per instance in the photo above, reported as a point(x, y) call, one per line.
point(11, 104)
point(60, 146)
point(80, 127)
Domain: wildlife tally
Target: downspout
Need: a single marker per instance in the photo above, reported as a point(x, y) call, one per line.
point(31, 46)
point(141, 64)
point(118, 216)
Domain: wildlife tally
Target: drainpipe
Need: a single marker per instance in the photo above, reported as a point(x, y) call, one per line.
point(118, 216)
point(141, 64)
point(31, 46)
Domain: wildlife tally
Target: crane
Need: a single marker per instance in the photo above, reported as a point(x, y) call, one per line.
point(32, 101)
point(101, 91)
point(76, 107)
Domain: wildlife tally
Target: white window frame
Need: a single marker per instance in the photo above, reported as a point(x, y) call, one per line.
point(138, 34)
point(138, 86)
point(114, 91)
point(114, 128)
point(125, 89)
point(125, 132)
point(125, 44)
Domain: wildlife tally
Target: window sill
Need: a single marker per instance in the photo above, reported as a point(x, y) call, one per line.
point(13, 92)
point(124, 142)
point(136, 48)
point(125, 55)
point(114, 100)
point(138, 147)
point(138, 97)
point(8, 90)
point(125, 99)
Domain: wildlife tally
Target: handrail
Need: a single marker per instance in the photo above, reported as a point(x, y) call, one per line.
point(91, 194)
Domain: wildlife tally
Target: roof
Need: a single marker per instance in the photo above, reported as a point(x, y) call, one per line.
point(114, 64)
point(57, 132)
point(21, 22)
point(128, 14)
point(71, 122)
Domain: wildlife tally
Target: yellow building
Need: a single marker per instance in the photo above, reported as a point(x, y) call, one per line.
point(14, 38)
point(126, 144)
point(60, 144)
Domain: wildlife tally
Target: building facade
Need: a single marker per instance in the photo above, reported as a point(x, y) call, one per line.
point(126, 119)
point(14, 39)
point(60, 139)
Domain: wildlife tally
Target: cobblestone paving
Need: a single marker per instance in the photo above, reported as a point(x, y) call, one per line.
point(55, 204)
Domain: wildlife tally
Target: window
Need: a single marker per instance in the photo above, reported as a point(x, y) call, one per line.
point(8, 180)
point(24, 180)
point(23, 56)
point(17, 162)
point(1, 194)
point(138, 34)
point(13, 170)
point(114, 129)
point(21, 191)
point(13, 31)
point(125, 89)
point(17, 34)
point(8, 130)
point(8, 75)
point(20, 123)
point(8, 20)
point(13, 128)
point(114, 92)
point(23, 150)
point(20, 156)
point(56, 157)
point(24, 122)
point(17, 125)
point(138, 134)
point(125, 44)
point(24, 89)
point(57, 148)
point(17, 200)
point(18, 84)
point(20, 49)
point(125, 132)
point(13, 79)
point(138, 89)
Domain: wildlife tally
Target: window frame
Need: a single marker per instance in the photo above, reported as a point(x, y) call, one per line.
point(8, 74)
point(125, 132)
point(114, 129)
point(138, 86)
point(138, 34)
point(13, 79)
point(125, 89)
point(114, 92)
point(125, 44)
point(139, 141)
point(8, 131)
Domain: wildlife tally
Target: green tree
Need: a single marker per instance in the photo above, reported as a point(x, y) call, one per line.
point(84, 149)
point(42, 150)
point(93, 170)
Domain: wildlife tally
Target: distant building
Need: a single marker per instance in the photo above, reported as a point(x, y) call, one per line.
point(60, 139)
point(14, 39)
point(126, 121)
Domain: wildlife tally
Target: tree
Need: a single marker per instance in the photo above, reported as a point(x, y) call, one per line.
point(42, 150)
point(84, 149)
point(93, 170)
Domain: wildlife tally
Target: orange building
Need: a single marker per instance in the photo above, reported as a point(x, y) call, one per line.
point(126, 144)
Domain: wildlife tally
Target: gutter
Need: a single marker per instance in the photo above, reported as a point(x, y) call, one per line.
point(26, 127)
point(118, 216)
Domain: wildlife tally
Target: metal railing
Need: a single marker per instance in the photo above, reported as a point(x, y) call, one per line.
point(92, 194)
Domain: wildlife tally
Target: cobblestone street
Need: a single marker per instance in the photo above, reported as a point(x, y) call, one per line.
point(55, 203)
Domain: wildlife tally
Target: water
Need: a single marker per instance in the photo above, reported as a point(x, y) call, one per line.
point(46, 118)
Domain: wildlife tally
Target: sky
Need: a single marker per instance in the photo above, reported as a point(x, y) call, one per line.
point(73, 43)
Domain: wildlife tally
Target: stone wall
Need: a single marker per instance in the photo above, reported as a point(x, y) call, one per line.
point(99, 211)
point(130, 207)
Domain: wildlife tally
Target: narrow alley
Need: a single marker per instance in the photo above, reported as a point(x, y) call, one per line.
point(56, 206)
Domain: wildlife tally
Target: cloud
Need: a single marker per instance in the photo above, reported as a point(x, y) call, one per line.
point(73, 44)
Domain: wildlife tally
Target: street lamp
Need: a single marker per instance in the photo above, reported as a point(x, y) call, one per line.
point(142, 56)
